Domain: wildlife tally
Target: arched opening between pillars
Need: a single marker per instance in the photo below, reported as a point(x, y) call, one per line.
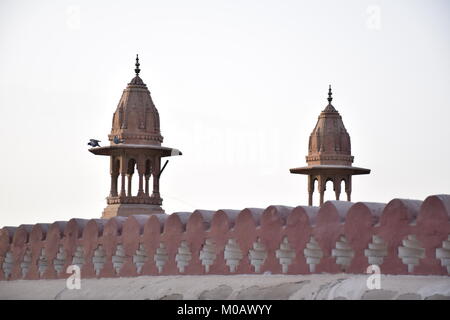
point(147, 174)
point(315, 186)
point(136, 178)
point(330, 187)
point(337, 184)
point(115, 172)
point(342, 185)
point(130, 172)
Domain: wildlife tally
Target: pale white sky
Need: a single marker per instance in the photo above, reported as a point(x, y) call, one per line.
point(238, 85)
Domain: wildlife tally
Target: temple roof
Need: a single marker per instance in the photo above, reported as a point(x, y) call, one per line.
point(329, 142)
point(136, 119)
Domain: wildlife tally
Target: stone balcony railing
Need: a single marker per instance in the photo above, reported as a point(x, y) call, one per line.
point(401, 237)
point(134, 200)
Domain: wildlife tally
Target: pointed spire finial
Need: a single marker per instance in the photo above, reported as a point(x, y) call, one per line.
point(137, 70)
point(330, 98)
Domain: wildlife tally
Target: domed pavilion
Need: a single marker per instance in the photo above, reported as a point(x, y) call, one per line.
point(329, 156)
point(135, 151)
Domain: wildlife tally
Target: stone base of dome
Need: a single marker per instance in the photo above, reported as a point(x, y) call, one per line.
point(125, 210)
point(329, 159)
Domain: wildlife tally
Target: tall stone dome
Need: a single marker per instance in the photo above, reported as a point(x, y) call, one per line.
point(329, 142)
point(136, 119)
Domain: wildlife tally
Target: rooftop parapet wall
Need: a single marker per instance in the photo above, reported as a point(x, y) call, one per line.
point(402, 237)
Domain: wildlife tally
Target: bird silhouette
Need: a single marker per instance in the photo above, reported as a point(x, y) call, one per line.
point(93, 143)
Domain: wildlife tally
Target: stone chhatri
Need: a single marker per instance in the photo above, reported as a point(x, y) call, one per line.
point(135, 145)
point(329, 155)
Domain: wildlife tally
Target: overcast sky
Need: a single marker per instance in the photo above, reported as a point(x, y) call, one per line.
point(238, 85)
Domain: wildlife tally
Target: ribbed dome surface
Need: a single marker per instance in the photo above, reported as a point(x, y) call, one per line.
point(136, 119)
point(329, 142)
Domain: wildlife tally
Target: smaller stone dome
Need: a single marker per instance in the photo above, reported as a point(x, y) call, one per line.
point(329, 142)
point(136, 119)
point(137, 81)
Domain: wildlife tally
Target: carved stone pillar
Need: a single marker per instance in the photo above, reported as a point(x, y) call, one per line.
point(123, 174)
point(337, 187)
point(141, 185)
point(322, 184)
point(141, 171)
point(122, 184)
point(348, 188)
point(155, 171)
point(130, 176)
point(147, 178)
point(113, 192)
point(114, 171)
point(310, 190)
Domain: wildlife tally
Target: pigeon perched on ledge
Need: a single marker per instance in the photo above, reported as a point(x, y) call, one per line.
point(116, 140)
point(94, 143)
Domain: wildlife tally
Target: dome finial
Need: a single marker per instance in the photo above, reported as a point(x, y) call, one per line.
point(137, 70)
point(330, 98)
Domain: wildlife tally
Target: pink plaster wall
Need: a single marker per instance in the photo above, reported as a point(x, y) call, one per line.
point(356, 223)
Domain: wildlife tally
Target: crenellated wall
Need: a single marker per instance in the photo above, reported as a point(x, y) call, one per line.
point(402, 237)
